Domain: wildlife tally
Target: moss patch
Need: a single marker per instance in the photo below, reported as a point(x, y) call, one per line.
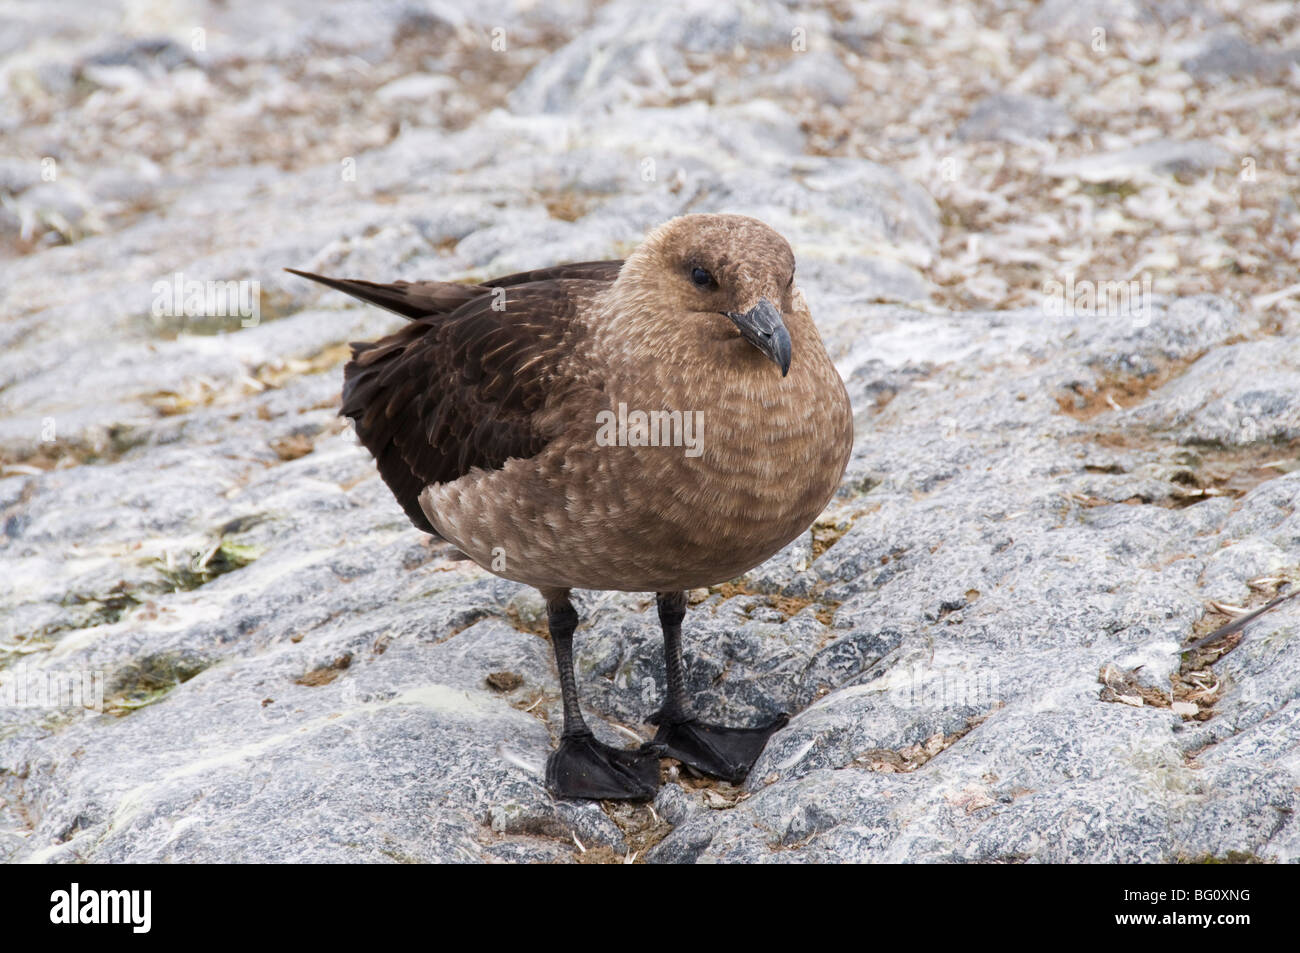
point(102, 608)
point(504, 681)
point(788, 606)
point(293, 446)
point(522, 619)
point(148, 680)
point(1194, 473)
point(1231, 857)
point(217, 560)
point(907, 759)
point(324, 674)
point(825, 534)
point(1205, 472)
point(62, 454)
point(1115, 391)
point(277, 373)
point(566, 205)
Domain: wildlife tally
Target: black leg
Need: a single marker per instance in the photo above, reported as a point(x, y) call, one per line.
point(672, 611)
point(713, 750)
point(582, 767)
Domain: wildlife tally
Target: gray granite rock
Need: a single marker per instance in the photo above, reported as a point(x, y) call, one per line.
point(1153, 158)
point(635, 52)
point(1015, 118)
point(1228, 54)
point(1077, 19)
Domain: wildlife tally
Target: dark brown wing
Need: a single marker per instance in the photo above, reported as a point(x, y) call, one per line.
point(592, 270)
point(453, 391)
point(416, 299)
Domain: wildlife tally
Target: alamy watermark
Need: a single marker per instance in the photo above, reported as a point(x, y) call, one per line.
point(130, 907)
point(176, 297)
point(26, 687)
point(651, 428)
point(1106, 299)
point(925, 687)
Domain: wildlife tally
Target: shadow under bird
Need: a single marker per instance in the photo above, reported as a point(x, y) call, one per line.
point(484, 415)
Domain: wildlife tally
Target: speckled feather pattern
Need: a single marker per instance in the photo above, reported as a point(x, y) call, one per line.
point(495, 415)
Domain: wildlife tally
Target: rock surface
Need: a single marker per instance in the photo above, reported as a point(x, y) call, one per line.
point(978, 639)
point(1015, 119)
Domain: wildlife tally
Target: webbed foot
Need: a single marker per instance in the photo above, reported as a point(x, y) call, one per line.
point(713, 750)
point(582, 767)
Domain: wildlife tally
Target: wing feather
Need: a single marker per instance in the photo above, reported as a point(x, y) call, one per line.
point(453, 391)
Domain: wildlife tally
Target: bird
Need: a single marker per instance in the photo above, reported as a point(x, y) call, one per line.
point(656, 424)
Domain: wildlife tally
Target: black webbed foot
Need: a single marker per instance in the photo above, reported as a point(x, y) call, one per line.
point(582, 767)
point(712, 750)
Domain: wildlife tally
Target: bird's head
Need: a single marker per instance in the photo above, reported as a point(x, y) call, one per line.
point(730, 276)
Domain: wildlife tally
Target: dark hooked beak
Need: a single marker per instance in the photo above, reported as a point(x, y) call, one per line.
point(762, 327)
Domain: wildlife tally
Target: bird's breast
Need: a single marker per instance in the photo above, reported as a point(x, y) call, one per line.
point(660, 483)
point(731, 471)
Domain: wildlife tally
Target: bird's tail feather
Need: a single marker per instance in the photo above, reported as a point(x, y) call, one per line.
point(411, 300)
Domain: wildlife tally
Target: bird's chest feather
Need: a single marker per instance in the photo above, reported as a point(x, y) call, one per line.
point(757, 457)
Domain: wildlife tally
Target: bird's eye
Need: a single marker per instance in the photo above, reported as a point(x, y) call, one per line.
point(702, 278)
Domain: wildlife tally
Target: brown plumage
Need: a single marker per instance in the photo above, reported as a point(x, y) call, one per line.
point(489, 418)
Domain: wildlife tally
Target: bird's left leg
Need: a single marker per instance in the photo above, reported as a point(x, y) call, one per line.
point(714, 750)
point(582, 767)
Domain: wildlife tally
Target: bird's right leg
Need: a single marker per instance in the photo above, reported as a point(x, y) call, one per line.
point(713, 750)
point(582, 767)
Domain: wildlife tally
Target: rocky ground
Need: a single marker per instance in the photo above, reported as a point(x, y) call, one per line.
point(979, 639)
